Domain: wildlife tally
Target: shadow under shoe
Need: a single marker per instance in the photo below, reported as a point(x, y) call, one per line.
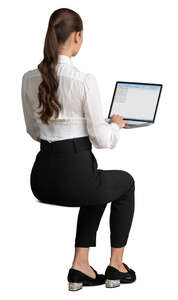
point(113, 277)
point(77, 279)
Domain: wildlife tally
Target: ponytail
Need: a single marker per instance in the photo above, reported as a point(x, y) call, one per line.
point(62, 23)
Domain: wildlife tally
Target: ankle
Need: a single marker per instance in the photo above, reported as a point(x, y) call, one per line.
point(115, 263)
point(80, 264)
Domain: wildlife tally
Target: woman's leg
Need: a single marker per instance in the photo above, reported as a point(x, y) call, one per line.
point(81, 262)
point(121, 216)
point(116, 259)
point(122, 184)
point(89, 218)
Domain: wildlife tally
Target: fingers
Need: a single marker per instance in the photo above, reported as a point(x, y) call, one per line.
point(119, 119)
point(125, 123)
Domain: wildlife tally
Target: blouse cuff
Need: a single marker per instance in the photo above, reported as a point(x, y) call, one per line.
point(114, 125)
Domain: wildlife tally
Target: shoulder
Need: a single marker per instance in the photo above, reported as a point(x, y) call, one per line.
point(90, 81)
point(30, 73)
point(83, 76)
point(77, 74)
point(90, 77)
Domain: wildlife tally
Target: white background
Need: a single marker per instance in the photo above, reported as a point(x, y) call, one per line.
point(123, 40)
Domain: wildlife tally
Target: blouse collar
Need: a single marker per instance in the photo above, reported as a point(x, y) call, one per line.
point(64, 59)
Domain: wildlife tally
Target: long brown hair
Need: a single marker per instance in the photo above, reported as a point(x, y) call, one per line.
point(61, 24)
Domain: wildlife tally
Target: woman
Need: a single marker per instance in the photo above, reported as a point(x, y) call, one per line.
point(63, 112)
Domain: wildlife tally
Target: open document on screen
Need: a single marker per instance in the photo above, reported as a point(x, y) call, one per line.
point(135, 101)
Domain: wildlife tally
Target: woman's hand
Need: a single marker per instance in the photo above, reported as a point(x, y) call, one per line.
point(118, 119)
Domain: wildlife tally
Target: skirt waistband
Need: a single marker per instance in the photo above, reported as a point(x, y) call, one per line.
point(73, 145)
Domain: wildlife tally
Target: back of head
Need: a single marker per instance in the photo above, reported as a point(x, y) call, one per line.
point(62, 23)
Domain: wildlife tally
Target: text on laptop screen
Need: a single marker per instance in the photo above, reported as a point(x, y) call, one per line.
point(135, 101)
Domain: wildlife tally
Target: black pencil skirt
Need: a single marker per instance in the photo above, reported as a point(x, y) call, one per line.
point(66, 173)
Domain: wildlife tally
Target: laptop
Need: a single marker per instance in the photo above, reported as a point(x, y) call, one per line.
point(136, 102)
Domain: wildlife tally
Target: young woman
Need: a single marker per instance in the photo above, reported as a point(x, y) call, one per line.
point(63, 112)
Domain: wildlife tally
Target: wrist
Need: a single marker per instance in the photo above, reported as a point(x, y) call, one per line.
point(114, 125)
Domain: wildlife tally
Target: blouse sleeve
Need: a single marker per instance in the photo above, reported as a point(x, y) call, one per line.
point(32, 127)
point(101, 133)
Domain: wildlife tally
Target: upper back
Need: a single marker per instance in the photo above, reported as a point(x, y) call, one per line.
point(70, 91)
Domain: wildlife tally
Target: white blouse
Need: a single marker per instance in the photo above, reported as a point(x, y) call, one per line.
point(82, 113)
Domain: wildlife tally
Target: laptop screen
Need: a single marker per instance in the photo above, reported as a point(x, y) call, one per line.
point(135, 101)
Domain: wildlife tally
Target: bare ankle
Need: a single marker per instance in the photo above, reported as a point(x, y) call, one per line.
point(116, 263)
point(80, 264)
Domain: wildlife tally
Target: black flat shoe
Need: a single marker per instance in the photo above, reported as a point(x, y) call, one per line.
point(77, 279)
point(114, 277)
